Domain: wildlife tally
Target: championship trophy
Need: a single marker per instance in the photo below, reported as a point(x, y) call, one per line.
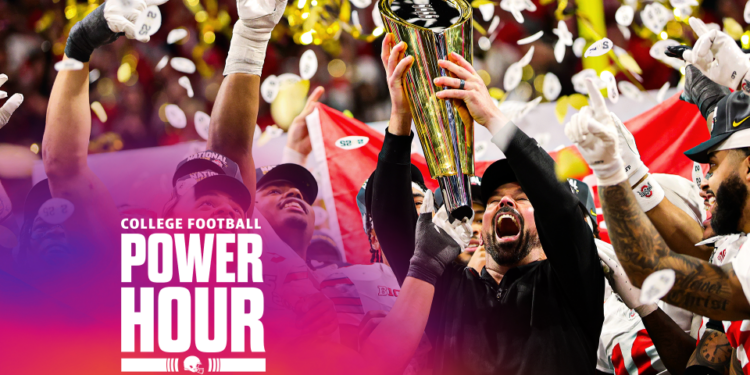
point(432, 29)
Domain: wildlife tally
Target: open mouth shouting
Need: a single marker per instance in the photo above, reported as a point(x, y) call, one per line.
point(507, 226)
point(293, 205)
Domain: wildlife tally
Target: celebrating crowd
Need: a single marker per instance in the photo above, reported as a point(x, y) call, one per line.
point(524, 286)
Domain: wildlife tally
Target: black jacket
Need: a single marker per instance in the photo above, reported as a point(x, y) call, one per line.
point(544, 317)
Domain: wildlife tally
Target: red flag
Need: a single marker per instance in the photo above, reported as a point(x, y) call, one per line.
point(662, 134)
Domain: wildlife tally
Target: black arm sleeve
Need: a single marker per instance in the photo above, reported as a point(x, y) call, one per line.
point(393, 214)
point(566, 238)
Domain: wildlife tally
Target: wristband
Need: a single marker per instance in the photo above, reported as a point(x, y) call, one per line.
point(648, 193)
point(247, 50)
point(644, 310)
point(89, 34)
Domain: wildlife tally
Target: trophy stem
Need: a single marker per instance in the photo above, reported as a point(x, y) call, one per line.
point(456, 195)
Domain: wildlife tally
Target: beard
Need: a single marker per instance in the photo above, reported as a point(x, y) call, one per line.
point(730, 205)
point(510, 253)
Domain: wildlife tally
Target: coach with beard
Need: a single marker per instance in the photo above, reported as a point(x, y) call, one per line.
point(537, 306)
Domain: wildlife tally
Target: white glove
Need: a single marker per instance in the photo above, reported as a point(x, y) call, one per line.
point(251, 34)
point(121, 16)
point(619, 281)
point(459, 230)
point(428, 204)
point(718, 56)
point(11, 105)
point(634, 167)
point(596, 135)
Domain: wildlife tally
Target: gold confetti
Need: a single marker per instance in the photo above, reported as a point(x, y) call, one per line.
point(561, 108)
point(578, 101)
point(733, 28)
point(99, 111)
point(570, 165)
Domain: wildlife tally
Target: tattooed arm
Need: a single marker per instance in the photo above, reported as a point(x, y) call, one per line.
point(699, 287)
point(713, 352)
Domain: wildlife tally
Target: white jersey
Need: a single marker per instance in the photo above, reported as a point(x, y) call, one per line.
point(357, 289)
point(734, 249)
point(625, 348)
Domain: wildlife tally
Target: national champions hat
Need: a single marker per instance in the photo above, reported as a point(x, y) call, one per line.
point(209, 170)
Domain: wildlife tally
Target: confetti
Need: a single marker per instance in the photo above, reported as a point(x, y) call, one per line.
point(361, 4)
point(94, 75)
point(562, 32)
point(484, 43)
point(272, 131)
point(308, 64)
point(624, 31)
point(656, 286)
point(202, 120)
point(570, 165)
point(733, 28)
point(630, 90)
point(599, 48)
point(149, 21)
point(56, 210)
point(176, 35)
point(69, 64)
point(746, 13)
point(185, 82)
point(162, 63)
point(697, 174)
point(175, 116)
point(624, 15)
point(655, 16)
point(662, 92)
point(270, 88)
point(559, 51)
point(182, 65)
point(611, 83)
point(579, 45)
point(487, 11)
point(495, 23)
point(99, 111)
point(561, 108)
point(516, 6)
point(480, 148)
point(683, 3)
point(3, 94)
point(579, 80)
point(377, 20)
point(530, 39)
point(551, 87)
point(515, 71)
point(516, 109)
point(351, 142)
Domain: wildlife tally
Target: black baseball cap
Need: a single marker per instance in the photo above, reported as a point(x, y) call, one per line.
point(295, 174)
point(730, 117)
point(585, 196)
point(209, 170)
point(497, 174)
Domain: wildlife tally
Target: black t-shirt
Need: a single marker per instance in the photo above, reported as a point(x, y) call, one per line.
point(544, 317)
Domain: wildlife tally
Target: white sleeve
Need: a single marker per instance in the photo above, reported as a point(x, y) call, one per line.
point(741, 265)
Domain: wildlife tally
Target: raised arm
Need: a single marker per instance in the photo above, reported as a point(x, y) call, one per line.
point(393, 213)
point(68, 128)
point(699, 287)
point(566, 238)
point(235, 111)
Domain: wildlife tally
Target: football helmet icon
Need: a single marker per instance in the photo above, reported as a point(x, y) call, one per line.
point(193, 364)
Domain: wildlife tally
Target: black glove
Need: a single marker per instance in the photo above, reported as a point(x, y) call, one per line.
point(434, 249)
point(89, 34)
point(702, 91)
